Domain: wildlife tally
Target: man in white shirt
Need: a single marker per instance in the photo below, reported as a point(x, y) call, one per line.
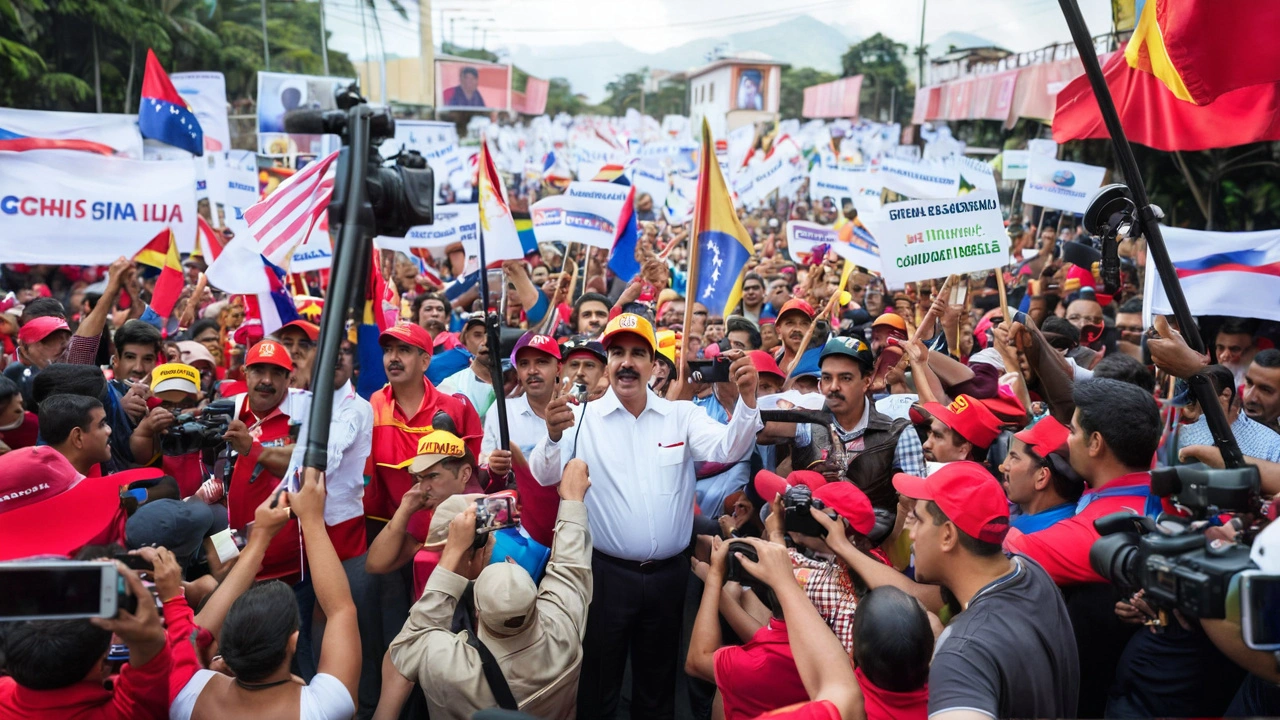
point(473, 380)
point(350, 442)
point(537, 362)
point(641, 450)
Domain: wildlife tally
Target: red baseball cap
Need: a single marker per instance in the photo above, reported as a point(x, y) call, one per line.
point(849, 503)
point(311, 330)
point(797, 305)
point(770, 484)
point(969, 495)
point(969, 418)
point(40, 328)
point(53, 521)
point(764, 363)
point(408, 333)
point(269, 352)
point(1045, 436)
point(534, 341)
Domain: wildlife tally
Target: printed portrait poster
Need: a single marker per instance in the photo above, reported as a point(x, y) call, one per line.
point(206, 93)
point(749, 88)
point(472, 86)
point(278, 93)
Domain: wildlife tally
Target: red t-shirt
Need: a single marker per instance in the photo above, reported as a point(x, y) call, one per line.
point(1062, 549)
point(25, 434)
point(760, 675)
point(889, 705)
point(251, 484)
point(816, 710)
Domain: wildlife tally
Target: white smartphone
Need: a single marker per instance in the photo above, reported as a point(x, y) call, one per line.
point(60, 590)
point(1260, 610)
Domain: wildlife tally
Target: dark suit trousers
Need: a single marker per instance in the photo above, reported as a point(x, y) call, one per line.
point(637, 609)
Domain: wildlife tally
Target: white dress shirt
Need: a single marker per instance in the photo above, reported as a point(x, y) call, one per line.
point(642, 481)
point(525, 427)
point(350, 441)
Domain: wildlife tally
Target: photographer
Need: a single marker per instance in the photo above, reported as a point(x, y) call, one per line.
point(176, 388)
point(761, 674)
point(56, 668)
point(533, 633)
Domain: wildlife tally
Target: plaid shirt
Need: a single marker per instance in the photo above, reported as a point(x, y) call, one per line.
point(828, 587)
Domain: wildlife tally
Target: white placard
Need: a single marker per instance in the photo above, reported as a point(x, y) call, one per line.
point(1015, 164)
point(919, 179)
point(587, 212)
point(1061, 185)
point(924, 239)
point(206, 93)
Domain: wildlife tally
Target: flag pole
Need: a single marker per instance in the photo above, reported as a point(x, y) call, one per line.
point(1149, 226)
point(491, 320)
point(691, 279)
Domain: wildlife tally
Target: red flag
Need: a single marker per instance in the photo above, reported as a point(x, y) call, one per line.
point(159, 259)
point(209, 243)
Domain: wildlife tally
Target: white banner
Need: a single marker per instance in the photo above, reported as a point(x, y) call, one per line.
point(454, 224)
point(858, 185)
point(919, 179)
point(861, 251)
point(437, 142)
point(678, 209)
point(1061, 185)
point(1043, 148)
point(923, 239)
point(975, 175)
point(650, 179)
point(118, 132)
point(1221, 273)
point(587, 212)
point(59, 207)
point(206, 93)
point(756, 183)
point(1015, 164)
point(593, 154)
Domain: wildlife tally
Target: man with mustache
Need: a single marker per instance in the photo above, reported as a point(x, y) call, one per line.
point(537, 362)
point(475, 380)
point(641, 449)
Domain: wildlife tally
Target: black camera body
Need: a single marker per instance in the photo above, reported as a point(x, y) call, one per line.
point(733, 569)
point(191, 433)
point(796, 502)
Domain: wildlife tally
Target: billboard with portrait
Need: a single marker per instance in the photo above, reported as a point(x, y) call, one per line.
point(278, 93)
point(472, 86)
point(749, 87)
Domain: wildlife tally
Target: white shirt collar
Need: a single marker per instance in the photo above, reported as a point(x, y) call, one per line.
point(609, 403)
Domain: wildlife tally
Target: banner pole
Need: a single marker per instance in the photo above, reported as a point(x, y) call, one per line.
point(491, 320)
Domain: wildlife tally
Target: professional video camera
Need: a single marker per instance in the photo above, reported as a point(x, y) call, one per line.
point(401, 196)
point(1170, 558)
point(191, 432)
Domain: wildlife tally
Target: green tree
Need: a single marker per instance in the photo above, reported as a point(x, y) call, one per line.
point(625, 92)
point(878, 59)
point(794, 81)
point(560, 98)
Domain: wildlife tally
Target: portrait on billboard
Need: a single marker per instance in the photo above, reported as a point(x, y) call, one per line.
point(749, 89)
point(472, 86)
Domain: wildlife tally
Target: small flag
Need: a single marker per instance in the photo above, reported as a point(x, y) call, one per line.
point(499, 235)
point(285, 218)
point(209, 243)
point(159, 259)
point(723, 246)
point(622, 258)
point(275, 307)
point(163, 115)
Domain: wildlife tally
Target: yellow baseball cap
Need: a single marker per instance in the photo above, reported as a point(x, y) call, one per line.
point(433, 447)
point(629, 323)
point(174, 381)
point(668, 344)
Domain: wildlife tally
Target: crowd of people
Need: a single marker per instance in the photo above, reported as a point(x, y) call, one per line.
point(837, 500)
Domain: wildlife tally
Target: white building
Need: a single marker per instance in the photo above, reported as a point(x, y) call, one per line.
point(741, 89)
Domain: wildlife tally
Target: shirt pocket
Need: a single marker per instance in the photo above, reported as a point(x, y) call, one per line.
point(669, 455)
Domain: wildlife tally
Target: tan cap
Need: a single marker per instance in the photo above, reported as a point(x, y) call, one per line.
point(505, 600)
point(445, 512)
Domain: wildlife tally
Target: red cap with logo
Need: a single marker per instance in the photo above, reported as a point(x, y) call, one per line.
point(40, 328)
point(799, 306)
point(408, 333)
point(969, 418)
point(269, 352)
point(849, 503)
point(967, 494)
point(770, 484)
point(534, 341)
point(1045, 436)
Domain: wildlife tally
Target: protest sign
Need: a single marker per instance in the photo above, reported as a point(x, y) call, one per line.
point(94, 132)
point(923, 239)
point(975, 175)
point(1061, 185)
point(206, 93)
point(755, 183)
point(1043, 147)
point(587, 213)
point(591, 155)
point(58, 207)
point(1015, 164)
point(860, 249)
point(856, 185)
point(678, 208)
point(453, 224)
point(1221, 273)
point(648, 178)
point(919, 179)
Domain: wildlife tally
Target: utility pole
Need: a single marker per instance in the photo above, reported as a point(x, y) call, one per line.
point(324, 40)
point(266, 49)
point(920, 51)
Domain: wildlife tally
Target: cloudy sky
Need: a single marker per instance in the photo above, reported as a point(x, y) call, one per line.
point(654, 25)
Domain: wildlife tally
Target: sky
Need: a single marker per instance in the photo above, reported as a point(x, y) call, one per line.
point(655, 25)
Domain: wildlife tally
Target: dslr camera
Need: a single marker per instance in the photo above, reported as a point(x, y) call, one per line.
point(1170, 557)
point(192, 433)
point(796, 502)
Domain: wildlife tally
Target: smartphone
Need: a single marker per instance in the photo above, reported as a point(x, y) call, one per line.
point(62, 590)
point(494, 512)
point(715, 370)
point(1260, 610)
point(497, 287)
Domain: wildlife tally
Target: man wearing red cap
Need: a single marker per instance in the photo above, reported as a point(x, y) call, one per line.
point(1029, 668)
point(260, 437)
point(963, 430)
point(1038, 477)
point(403, 412)
point(792, 323)
point(537, 362)
point(300, 338)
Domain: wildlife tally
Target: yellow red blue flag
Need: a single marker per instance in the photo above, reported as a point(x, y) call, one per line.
point(724, 246)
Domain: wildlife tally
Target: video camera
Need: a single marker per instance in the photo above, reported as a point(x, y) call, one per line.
point(192, 433)
point(401, 196)
point(796, 502)
point(1171, 559)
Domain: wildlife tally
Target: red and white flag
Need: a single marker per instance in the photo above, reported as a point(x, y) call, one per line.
point(286, 217)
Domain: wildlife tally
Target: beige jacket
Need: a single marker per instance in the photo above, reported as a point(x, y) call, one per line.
point(541, 664)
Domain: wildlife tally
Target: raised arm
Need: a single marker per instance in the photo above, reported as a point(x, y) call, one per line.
point(394, 546)
point(96, 320)
point(266, 523)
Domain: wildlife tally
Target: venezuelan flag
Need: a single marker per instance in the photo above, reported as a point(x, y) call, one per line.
point(163, 115)
point(1201, 49)
point(159, 259)
point(723, 247)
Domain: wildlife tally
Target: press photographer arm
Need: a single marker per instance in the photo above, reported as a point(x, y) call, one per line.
point(1212, 456)
point(706, 638)
point(1228, 637)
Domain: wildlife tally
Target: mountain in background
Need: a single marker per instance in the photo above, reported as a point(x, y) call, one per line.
point(802, 41)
